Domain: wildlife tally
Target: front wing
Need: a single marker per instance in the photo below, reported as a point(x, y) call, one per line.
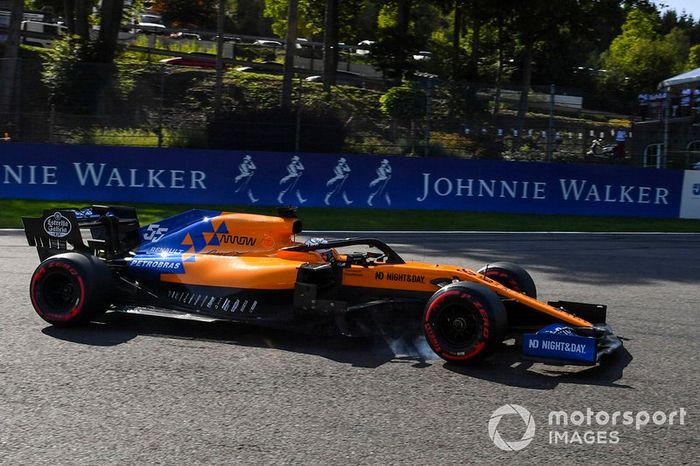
point(562, 344)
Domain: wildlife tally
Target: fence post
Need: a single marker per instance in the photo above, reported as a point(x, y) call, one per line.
point(19, 98)
point(289, 53)
point(297, 131)
point(220, 19)
point(52, 121)
point(151, 42)
point(428, 109)
point(160, 107)
point(666, 115)
point(550, 130)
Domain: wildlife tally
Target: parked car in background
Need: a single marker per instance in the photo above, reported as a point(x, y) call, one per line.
point(423, 55)
point(268, 43)
point(307, 49)
point(50, 31)
point(151, 18)
point(196, 59)
point(341, 77)
point(185, 36)
point(126, 33)
point(271, 67)
point(150, 23)
point(364, 46)
point(150, 28)
point(228, 38)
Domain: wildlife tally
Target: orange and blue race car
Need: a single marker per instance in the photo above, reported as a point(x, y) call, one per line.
point(249, 268)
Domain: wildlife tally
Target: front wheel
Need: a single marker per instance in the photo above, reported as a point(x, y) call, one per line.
point(511, 276)
point(70, 289)
point(464, 322)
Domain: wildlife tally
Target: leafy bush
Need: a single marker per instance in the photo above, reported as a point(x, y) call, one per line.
point(70, 81)
point(404, 103)
point(134, 137)
point(392, 53)
point(78, 85)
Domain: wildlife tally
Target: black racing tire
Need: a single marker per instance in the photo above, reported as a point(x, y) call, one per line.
point(70, 289)
point(464, 322)
point(512, 276)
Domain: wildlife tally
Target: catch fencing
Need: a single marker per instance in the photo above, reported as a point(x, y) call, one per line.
point(161, 105)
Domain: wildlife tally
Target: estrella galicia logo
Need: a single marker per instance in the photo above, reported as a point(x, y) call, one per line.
point(57, 225)
point(513, 445)
point(696, 189)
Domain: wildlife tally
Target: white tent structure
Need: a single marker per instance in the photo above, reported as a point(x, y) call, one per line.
point(689, 77)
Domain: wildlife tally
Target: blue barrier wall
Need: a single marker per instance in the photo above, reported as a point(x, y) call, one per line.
point(100, 173)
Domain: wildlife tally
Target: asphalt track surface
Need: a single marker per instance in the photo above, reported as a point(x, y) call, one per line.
point(146, 390)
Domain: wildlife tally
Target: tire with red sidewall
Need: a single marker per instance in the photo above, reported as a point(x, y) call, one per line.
point(464, 322)
point(512, 276)
point(70, 289)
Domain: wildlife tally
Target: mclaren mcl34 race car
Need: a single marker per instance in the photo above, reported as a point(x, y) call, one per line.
point(249, 268)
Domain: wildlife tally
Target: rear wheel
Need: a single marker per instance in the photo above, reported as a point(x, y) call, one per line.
point(512, 276)
point(70, 289)
point(464, 322)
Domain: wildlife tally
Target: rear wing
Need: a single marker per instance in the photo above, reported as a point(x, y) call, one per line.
point(110, 231)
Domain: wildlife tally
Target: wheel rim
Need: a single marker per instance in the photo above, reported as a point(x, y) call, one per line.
point(60, 292)
point(458, 326)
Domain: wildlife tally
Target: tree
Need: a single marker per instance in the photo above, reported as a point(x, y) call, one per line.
point(290, 47)
point(330, 44)
point(358, 20)
point(309, 17)
point(191, 14)
point(457, 30)
point(75, 13)
point(81, 74)
point(247, 17)
point(110, 22)
point(693, 57)
point(478, 14)
point(331, 18)
point(639, 58)
point(219, 65)
point(395, 45)
point(405, 104)
point(8, 70)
